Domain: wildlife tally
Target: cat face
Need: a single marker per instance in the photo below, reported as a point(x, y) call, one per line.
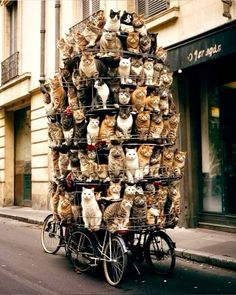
point(133, 39)
point(150, 188)
point(138, 20)
point(116, 151)
point(143, 116)
point(168, 154)
point(124, 112)
point(148, 65)
point(139, 201)
point(115, 188)
point(92, 155)
point(110, 120)
point(124, 63)
point(87, 193)
point(130, 190)
point(146, 150)
point(127, 204)
point(79, 116)
point(136, 63)
point(109, 36)
point(145, 41)
point(87, 58)
point(180, 156)
point(126, 18)
point(115, 15)
point(131, 154)
point(124, 96)
point(94, 122)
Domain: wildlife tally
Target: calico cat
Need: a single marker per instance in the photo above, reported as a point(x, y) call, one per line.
point(57, 93)
point(132, 42)
point(91, 33)
point(91, 213)
point(55, 134)
point(116, 215)
point(80, 127)
point(113, 191)
point(113, 22)
point(152, 102)
point(142, 124)
point(179, 162)
point(139, 208)
point(64, 209)
point(67, 123)
point(65, 48)
point(116, 161)
point(93, 130)
point(136, 71)
point(110, 44)
point(144, 155)
point(167, 162)
point(102, 93)
point(145, 44)
point(89, 67)
point(138, 98)
point(72, 98)
point(124, 122)
point(156, 126)
point(132, 165)
point(126, 22)
point(173, 122)
point(88, 165)
point(124, 70)
point(148, 71)
point(155, 162)
point(107, 129)
point(139, 24)
point(124, 96)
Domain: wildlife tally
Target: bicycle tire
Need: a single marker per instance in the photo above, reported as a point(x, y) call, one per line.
point(51, 235)
point(115, 261)
point(81, 250)
point(159, 251)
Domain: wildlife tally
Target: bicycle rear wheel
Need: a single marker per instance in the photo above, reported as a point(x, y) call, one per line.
point(81, 250)
point(51, 235)
point(159, 252)
point(115, 261)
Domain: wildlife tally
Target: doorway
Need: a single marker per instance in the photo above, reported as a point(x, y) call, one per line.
point(22, 156)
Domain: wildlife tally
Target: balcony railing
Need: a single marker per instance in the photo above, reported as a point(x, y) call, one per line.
point(10, 68)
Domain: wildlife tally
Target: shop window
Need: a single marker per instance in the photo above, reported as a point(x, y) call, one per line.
point(89, 7)
point(151, 7)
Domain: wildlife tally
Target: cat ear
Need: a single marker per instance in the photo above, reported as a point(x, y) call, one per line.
point(92, 189)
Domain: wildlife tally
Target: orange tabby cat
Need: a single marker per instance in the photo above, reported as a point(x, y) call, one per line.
point(132, 42)
point(144, 155)
point(142, 124)
point(138, 98)
point(57, 93)
point(107, 129)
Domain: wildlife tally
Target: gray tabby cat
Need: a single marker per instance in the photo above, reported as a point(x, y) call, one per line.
point(139, 208)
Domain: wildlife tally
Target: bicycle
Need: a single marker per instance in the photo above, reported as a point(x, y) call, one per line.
point(88, 249)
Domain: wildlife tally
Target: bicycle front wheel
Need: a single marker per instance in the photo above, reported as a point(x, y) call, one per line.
point(81, 251)
point(115, 261)
point(51, 235)
point(159, 252)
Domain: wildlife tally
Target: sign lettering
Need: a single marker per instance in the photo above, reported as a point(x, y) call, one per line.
point(208, 52)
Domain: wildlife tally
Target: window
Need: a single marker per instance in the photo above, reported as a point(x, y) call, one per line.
point(12, 10)
point(90, 6)
point(151, 7)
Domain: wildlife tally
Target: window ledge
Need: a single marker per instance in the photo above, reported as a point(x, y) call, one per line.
point(162, 18)
point(15, 81)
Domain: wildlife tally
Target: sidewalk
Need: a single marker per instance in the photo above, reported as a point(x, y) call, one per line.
point(202, 245)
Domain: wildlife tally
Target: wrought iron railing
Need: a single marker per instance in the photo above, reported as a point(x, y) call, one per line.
point(10, 68)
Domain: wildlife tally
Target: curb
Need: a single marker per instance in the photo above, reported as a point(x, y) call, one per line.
point(204, 257)
point(20, 218)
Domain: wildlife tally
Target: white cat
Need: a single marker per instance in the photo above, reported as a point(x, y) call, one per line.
point(132, 165)
point(93, 130)
point(103, 92)
point(91, 213)
point(124, 70)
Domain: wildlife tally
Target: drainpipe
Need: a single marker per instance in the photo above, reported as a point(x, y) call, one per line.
point(42, 43)
point(57, 32)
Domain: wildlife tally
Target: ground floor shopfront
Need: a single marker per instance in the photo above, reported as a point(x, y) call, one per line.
point(205, 88)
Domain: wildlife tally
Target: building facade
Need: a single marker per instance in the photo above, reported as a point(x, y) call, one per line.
point(199, 37)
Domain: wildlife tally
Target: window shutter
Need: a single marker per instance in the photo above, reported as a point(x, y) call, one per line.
point(151, 7)
point(89, 7)
point(86, 8)
point(95, 5)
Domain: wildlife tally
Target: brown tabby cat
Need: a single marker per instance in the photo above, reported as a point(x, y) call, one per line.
point(64, 209)
point(136, 71)
point(110, 44)
point(179, 162)
point(173, 213)
point(72, 98)
point(161, 54)
point(91, 33)
point(55, 134)
point(173, 122)
point(155, 162)
point(88, 165)
point(100, 19)
point(57, 93)
point(54, 155)
point(65, 48)
point(142, 124)
point(139, 208)
point(144, 155)
point(167, 162)
point(148, 71)
point(164, 106)
point(161, 197)
point(87, 66)
point(156, 126)
point(54, 200)
point(139, 24)
point(80, 43)
point(132, 42)
point(107, 128)
point(138, 98)
point(152, 102)
point(166, 79)
point(116, 161)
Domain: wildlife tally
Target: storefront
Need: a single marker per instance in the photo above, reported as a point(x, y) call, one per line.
point(205, 86)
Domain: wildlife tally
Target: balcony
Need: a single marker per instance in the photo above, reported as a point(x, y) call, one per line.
point(10, 68)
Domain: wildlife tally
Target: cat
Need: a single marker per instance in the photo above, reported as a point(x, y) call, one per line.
point(136, 71)
point(116, 161)
point(91, 213)
point(76, 79)
point(156, 126)
point(155, 162)
point(55, 134)
point(172, 211)
point(113, 80)
point(157, 70)
point(88, 165)
point(110, 44)
point(124, 122)
point(126, 20)
point(179, 162)
point(89, 67)
point(116, 215)
point(138, 98)
point(63, 164)
point(173, 122)
point(161, 198)
point(80, 43)
point(139, 209)
point(64, 209)
point(113, 22)
point(145, 44)
point(139, 24)
point(164, 106)
point(67, 123)
point(93, 130)
point(132, 165)
point(124, 70)
point(161, 54)
point(130, 191)
point(91, 33)
point(65, 48)
point(80, 127)
point(114, 191)
point(144, 155)
point(100, 19)
point(148, 71)
point(57, 93)
point(167, 162)
point(65, 74)
point(124, 96)
point(153, 37)
point(132, 42)
point(72, 98)
point(54, 158)
point(57, 190)
point(152, 102)
point(107, 129)
point(166, 79)
point(102, 94)
point(142, 124)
